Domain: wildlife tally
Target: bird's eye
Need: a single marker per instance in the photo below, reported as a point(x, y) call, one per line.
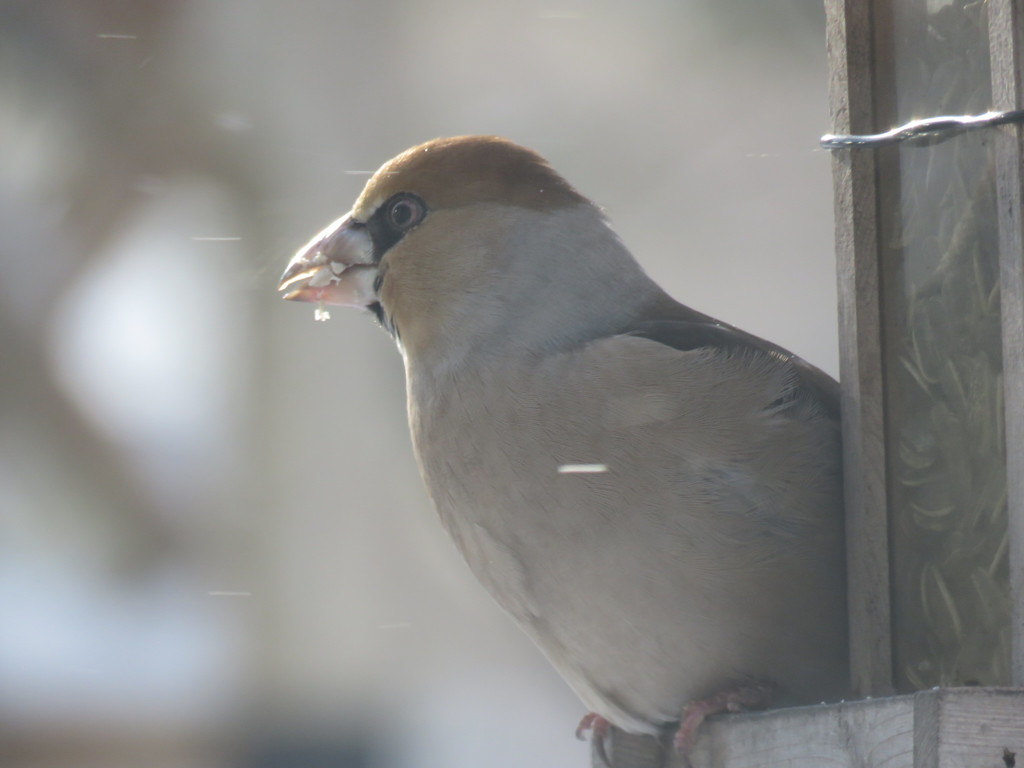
point(405, 211)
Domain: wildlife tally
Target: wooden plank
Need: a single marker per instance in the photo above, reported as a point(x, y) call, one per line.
point(942, 728)
point(978, 727)
point(849, 40)
point(877, 733)
point(1005, 43)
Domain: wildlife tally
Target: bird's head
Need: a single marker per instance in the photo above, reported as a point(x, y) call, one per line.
point(461, 237)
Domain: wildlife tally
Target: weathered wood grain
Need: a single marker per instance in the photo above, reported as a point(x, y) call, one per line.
point(849, 39)
point(942, 728)
point(1006, 38)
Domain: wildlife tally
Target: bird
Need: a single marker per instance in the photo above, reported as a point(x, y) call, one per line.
point(653, 495)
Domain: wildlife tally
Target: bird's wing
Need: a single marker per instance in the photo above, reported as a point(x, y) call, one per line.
point(813, 385)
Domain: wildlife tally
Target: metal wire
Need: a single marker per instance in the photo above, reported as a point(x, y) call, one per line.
point(928, 130)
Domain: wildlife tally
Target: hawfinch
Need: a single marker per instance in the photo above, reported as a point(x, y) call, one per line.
point(653, 495)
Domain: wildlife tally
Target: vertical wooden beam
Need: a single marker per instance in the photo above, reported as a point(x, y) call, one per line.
point(849, 41)
point(1005, 41)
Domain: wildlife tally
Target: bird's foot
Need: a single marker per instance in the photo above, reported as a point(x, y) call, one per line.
point(599, 728)
point(739, 698)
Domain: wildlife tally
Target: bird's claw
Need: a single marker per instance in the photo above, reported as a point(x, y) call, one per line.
point(740, 698)
point(599, 728)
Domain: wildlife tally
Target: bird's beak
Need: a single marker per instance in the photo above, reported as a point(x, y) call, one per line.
point(336, 267)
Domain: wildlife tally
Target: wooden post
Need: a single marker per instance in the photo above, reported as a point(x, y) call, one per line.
point(849, 40)
point(1006, 40)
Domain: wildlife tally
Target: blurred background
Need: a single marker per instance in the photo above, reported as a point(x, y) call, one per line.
point(214, 545)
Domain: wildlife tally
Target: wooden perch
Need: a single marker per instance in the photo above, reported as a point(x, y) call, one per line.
point(940, 728)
